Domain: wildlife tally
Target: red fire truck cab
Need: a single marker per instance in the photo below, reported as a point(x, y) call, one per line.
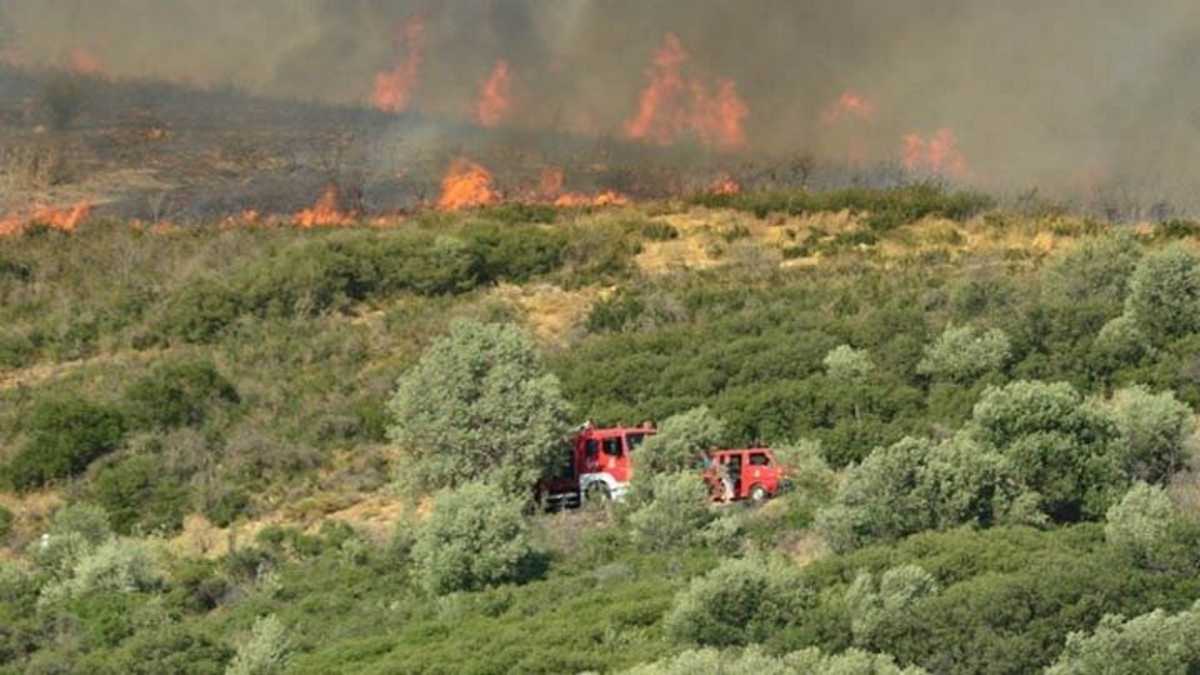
point(597, 465)
point(755, 474)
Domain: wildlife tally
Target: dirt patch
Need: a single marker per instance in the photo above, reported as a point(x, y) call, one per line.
point(551, 312)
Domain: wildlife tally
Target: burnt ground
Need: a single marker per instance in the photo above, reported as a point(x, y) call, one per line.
point(158, 151)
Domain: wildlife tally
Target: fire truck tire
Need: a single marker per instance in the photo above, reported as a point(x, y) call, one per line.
point(597, 492)
point(759, 493)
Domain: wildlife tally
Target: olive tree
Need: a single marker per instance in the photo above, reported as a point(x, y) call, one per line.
point(964, 353)
point(1158, 642)
point(479, 405)
point(475, 536)
point(873, 599)
point(1164, 294)
point(1057, 446)
point(849, 365)
point(264, 652)
point(741, 601)
point(1154, 432)
point(755, 661)
point(680, 440)
point(1140, 522)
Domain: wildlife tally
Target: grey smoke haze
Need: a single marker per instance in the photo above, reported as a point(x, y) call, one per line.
point(1059, 93)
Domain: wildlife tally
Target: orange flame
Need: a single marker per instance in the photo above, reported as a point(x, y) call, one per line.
point(467, 185)
point(62, 219)
point(550, 190)
point(82, 62)
point(552, 182)
point(327, 212)
point(671, 104)
point(939, 154)
point(849, 106)
point(725, 186)
point(495, 97)
point(394, 88)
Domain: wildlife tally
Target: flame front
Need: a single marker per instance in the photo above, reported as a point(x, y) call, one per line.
point(62, 219)
point(495, 97)
point(939, 154)
point(82, 62)
point(394, 88)
point(725, 185)
point(467, 185)
point(849, 106)
point(327, 212)
point(672, 104)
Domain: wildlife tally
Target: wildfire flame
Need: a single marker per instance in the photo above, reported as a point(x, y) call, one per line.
point(672, 104)
point(82, 62)
point(467, 185)
point(551, 190)
point(394, 88)
point(327, 212)
point(495, 96)
point(66, 219)
point(725, 186)
point(849, 106)
point(939, 154)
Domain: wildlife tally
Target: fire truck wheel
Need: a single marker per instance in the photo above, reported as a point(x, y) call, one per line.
point(598, 492)
point(759, 493)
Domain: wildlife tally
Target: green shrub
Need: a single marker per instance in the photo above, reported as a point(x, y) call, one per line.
point(201, 311)
point(848, 365)
point(226, 508)
point(178, 394)
point(917, 485)
point(6, 522)
point(1177, 228)
point(672, 510)
point(64, 436)
point(1141, 522)
point(1164, 294)
point(656, 230)
point(478, 406)
point(264, 652)
point(1058, 447)
point(964, 353)
point(517, 254)
point(476, 536)
point(680, 443)
point(115, 565)
point(872, 599)
point(167, 647)
point(16, 350)
point(1157, 642)
point(138, 494)
point(1154, 432)
point(754, 661)
point(738, 603)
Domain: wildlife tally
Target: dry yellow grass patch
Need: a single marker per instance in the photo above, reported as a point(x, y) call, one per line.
point(551, 312)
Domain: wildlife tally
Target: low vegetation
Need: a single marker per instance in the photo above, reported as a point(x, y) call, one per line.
point(265, 450)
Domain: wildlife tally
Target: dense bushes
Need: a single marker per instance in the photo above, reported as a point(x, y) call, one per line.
point(178, 394)
point(139, 493)
point(478, 406)
point(476, 536)
point(1158, 642)
point(64, 436)
point(738, 603)
point(886, 209)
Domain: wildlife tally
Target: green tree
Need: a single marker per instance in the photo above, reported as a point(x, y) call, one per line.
point(849, 365)
point(179, 394)
point(1141, 522)
point(266, 650)
point(1058, 447)
point(1157, 643)
point(476, 536)
point(873, 599)
point(680, 441)
point(1164, 294)
point(1095, 272)
point(915, 485)
point(65, 436)
point(479, 405)
point(671, 510)
point(754, 661)
point(740, 602)
point(962, 354)
point(1155, 431)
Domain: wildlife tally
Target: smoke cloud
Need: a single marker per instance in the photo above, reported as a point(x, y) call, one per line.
point(1068, 94)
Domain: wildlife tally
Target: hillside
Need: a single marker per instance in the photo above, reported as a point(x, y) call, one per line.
point(194, 435)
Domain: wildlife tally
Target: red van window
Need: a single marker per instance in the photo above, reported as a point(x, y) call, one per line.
point(760, 459)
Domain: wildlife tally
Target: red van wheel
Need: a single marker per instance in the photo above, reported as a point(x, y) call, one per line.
point(759, 493)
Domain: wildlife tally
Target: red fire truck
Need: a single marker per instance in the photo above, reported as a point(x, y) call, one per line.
point(599, 464)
